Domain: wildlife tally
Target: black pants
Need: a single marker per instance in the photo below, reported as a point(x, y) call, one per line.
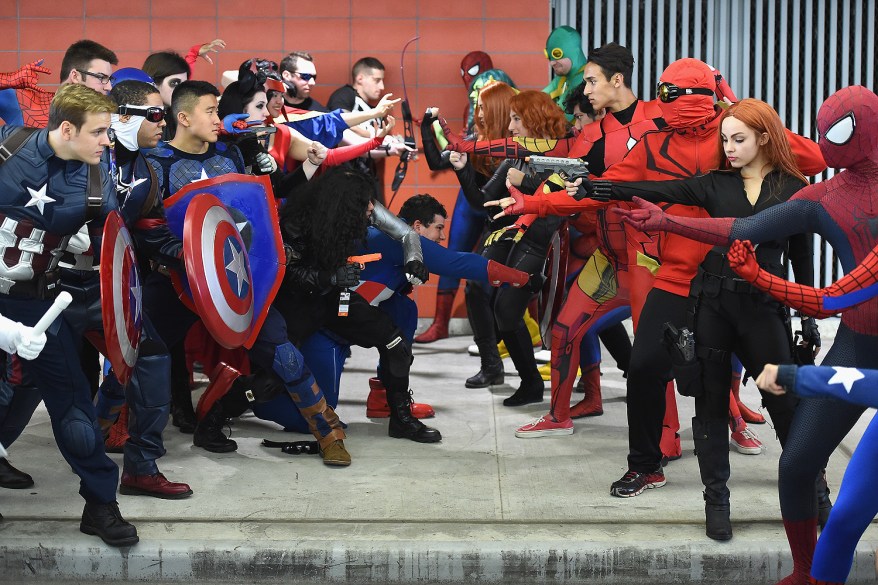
point(648, 375)
point(753, 327)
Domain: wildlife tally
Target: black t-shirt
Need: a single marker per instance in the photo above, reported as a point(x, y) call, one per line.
point(309, 104)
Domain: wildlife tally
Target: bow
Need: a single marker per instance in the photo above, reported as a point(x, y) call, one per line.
point(408, 127)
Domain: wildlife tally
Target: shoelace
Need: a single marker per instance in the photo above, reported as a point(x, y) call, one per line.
point(748, 434)
point(535, 421)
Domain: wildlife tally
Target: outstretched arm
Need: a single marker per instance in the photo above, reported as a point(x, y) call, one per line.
point(857, 286)
point(854, 385)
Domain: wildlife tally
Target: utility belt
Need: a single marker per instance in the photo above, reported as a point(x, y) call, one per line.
point(43, 287)
point(712, 284)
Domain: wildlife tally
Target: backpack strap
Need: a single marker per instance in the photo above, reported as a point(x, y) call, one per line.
point(14, 142)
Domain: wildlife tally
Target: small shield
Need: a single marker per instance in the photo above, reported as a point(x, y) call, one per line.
point(121, 303)
point(218, 270)
point(552, 295)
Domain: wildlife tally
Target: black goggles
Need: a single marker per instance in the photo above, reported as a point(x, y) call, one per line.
point(154, 114)
point(668, 92)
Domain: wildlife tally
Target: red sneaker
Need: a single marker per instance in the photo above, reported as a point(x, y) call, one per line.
point(746, 442)
point(156, 486)
point(545, 426)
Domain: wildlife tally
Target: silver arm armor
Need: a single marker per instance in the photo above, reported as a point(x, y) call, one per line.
point(400, 231)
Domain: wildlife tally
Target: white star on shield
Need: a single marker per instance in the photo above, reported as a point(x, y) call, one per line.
point(237, 266)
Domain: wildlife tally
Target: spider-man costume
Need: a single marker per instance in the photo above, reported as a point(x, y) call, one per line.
point(855, 507)
point(30, 105)
point(843, 209)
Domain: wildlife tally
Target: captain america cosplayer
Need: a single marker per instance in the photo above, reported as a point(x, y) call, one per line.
point(854, 508)
point(383, 283)
point(43, 206)
point(194, 154)
point(841, 209)
point(147, 391)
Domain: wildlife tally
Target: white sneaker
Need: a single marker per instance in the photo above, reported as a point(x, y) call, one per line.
point(543, 356)
point(473, 349)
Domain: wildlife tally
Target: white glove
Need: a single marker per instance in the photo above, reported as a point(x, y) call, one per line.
point(29, 345)
point(18, 338)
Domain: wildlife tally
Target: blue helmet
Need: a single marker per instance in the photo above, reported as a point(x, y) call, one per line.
point(128, 73)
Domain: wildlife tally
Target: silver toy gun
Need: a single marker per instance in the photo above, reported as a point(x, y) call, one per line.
point(568, 169)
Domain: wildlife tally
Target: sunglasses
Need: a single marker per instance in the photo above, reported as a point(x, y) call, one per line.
point(101, 77)
point(307, 76)
point(154, 114)
point(668, 92)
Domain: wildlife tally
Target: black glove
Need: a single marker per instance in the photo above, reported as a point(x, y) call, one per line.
point(346, 276)
point(809, 347)
point(599, 189)
point(417, 272)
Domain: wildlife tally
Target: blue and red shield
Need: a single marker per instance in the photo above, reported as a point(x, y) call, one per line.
point(218, 270)
point(121, 303)
point(250, 203)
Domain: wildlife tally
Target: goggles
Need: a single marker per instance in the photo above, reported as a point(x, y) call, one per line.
point(154, 114)
point(668, 92)
point(556, 54)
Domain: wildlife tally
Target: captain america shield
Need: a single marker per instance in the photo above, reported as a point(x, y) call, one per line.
point(121, 302)
point(218, 270)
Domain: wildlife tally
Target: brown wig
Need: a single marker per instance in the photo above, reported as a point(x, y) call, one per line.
point(495, 106)
point(540, 115)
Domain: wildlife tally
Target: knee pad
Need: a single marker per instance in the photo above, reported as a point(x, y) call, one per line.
point(266, 386)
point(78, 433)
point(397, 356)
point(288, 363)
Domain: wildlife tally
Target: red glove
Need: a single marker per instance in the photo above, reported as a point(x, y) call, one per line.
point(649, 217)
point(24, 78)
point(499, 274)
point(516, 208)
point(742, 259)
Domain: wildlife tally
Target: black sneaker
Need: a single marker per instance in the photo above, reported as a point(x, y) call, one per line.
point(633, 483)
point(106, 521)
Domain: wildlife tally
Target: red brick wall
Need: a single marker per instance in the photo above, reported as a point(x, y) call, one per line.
point(336, 32)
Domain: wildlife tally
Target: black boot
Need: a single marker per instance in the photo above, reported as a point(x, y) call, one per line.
point(106, 521)
point(405, 426)
point(491, 372)
point(712, 448)
point(209, 431)
point(521, 351)
point(182, 412)
point(13, 479)
point(824, 503)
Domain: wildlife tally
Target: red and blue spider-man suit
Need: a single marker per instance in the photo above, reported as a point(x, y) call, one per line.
point(33, 102)
point(855, 508)
point(844, 210)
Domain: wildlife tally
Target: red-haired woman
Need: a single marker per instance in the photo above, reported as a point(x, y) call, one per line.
point(758, 170)
point(522, 245)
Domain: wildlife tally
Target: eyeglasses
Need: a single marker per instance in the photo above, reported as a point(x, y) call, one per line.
point(154, 114)
point(101, 77)
point(306, 77)
point(668, 92)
